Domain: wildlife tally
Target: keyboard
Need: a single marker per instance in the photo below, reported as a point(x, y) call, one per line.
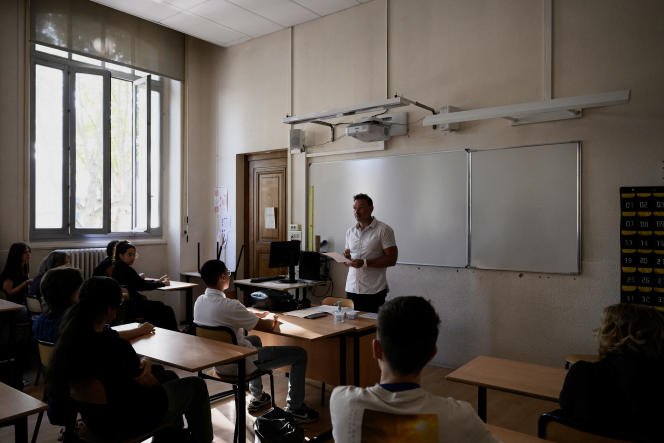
point(264, 279)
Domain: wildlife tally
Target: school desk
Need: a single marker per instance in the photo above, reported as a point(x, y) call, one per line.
point(531, 380)
point(15, 407)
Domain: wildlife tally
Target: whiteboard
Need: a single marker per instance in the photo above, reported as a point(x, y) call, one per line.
point(525, 208)
point(423, 197)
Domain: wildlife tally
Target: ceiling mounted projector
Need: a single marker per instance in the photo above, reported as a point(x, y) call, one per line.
point(373, 129)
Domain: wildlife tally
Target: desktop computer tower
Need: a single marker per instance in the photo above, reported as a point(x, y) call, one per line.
point(313, 266)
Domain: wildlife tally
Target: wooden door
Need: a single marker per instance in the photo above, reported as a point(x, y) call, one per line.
point(267, 190)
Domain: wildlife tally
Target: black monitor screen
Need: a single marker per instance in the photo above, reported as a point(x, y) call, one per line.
point(285, 253)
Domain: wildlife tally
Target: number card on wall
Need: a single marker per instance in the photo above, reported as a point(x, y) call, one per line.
point(642, 245)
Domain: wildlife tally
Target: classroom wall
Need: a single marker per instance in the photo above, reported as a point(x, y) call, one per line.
point(469, 54)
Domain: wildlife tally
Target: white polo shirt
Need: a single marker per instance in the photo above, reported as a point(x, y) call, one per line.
point(368, 243)
point(375, 411)
point(214, 309)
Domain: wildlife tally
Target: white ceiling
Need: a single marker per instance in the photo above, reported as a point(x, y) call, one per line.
point(228, 22)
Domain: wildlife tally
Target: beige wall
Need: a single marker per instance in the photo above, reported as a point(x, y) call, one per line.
point(12, 152)
point(471, 54)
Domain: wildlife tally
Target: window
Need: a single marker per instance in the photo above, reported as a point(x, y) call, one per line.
point(95, 148)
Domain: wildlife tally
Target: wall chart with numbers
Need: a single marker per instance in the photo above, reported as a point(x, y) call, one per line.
point(642, 245)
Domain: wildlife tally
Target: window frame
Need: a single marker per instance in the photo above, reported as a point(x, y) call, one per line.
point(68, 231)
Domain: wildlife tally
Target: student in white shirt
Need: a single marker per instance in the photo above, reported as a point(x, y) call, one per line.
point(371, 247)
point(214, 309)
point(398, 409)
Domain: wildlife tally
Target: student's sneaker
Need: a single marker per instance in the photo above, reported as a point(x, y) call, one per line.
point(257, 404)
point(303, 414)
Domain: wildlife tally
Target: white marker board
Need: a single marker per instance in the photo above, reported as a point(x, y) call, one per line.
point(525, 208)
point(423, 197)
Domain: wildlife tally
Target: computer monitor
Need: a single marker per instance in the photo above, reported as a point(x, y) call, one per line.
point(285, 253)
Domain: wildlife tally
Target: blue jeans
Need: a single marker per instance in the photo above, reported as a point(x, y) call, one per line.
point(273, 357)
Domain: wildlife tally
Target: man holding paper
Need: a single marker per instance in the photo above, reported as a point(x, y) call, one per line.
point(371, 248)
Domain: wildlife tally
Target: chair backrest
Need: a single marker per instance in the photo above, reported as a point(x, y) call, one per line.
point(556, 426)
point(345, 302)
point(34, 304)
point(89, 391)
point(220, 333)
point(45, 351)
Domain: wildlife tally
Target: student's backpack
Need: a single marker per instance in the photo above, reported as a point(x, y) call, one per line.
point(277, 426)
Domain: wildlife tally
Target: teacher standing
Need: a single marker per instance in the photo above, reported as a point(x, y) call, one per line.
point(371, 247)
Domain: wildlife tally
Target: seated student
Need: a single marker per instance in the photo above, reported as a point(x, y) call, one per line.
point(398, 408)
point(105, 267)
point(59, 287)
point(14, 278)
point(136, 402)
point(621, 394)
point(214, 309)
point(14, 325)
point(52, 260)
point(155, 312)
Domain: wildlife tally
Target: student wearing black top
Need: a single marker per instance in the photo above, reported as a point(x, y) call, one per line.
point(155, 312)
point(620, 396)
point(88, 349)
point(14, 278)
point(14, 284)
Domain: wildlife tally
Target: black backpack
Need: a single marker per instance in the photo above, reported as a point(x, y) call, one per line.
point(277, 426)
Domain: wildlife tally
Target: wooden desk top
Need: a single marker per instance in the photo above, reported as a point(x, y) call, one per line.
point(361, 324)
point(274, 284)
point(309, 329)
point(508, 436)
point(6, 305)
point(16, 404)
point(185, 351)
point(527, 379)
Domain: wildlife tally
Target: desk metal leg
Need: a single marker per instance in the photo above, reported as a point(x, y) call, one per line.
point(342, 360)
point(189, 315)
point(241, 407)
point(356, 359)
point(21, 430)
point(481, 403)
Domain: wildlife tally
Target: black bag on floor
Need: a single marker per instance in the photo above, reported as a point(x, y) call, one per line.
point(276, 426)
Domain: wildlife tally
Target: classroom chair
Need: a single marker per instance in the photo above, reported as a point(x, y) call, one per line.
point(45, 349)
point(34, 305)
point(573, 358)
point(345, 302)
point(227, 335)
point(91, 392)
point(330, 301)
point(559, 427)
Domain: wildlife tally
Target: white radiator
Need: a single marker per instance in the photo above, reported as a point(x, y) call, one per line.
point(85, 259)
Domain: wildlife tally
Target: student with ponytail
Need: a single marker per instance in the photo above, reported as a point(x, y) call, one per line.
point(157, 313)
